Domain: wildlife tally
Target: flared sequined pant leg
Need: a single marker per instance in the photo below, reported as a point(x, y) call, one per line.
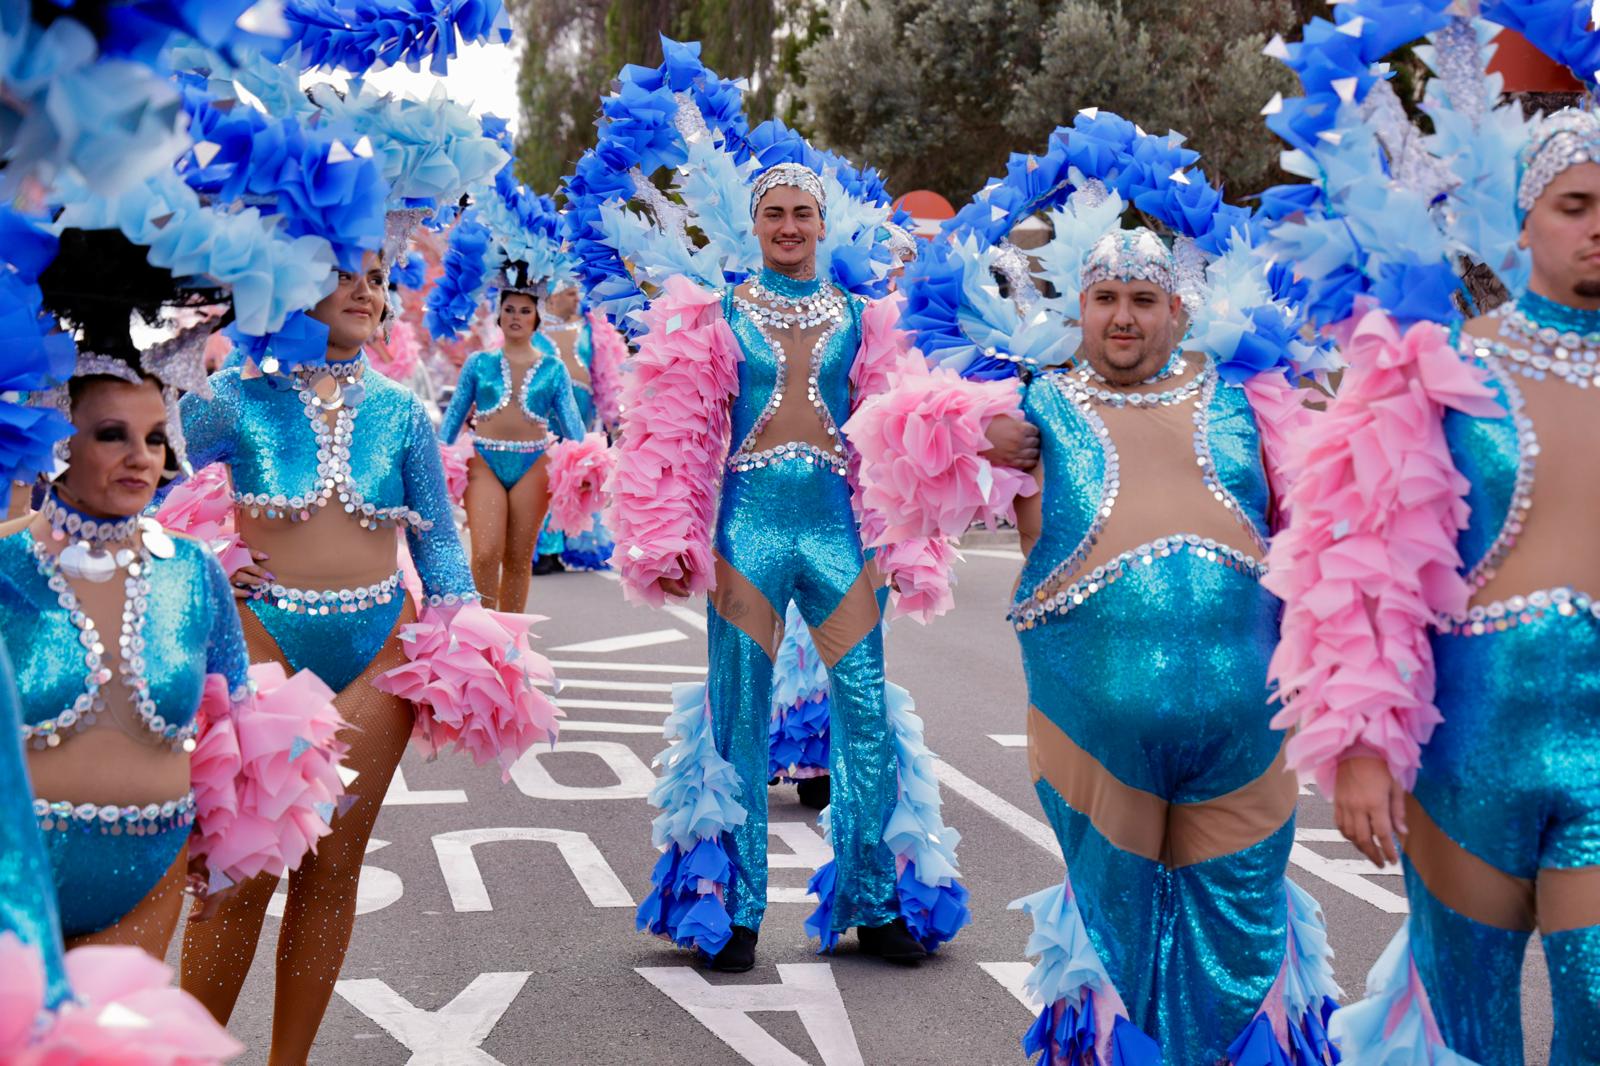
point(1505, 835)
point(786, 531)
point(1154, 759)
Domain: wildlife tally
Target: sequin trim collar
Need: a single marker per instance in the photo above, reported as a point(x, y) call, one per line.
point(67, 521)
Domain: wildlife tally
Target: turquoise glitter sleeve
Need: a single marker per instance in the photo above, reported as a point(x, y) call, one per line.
point(210, 426)
point(564, 417)
point(461, 402)
point(441, 562)
point(225, 650)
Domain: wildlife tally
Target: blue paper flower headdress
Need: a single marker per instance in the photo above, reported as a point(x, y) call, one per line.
point(666, 190)
point(1388, 211)
point(1243, 310)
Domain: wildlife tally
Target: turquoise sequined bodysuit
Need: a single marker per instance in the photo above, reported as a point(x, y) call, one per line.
point(378, 459)
point(485, 386)
point(1511, 777)
point(107, 859)
point(1147, 680)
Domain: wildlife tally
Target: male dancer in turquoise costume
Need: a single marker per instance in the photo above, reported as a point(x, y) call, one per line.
point(787, 349)
point(1145, 639)
point(1500, 830)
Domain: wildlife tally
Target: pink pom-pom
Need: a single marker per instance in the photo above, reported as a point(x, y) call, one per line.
point(454, 457)
point(125, 1012)
point(920, 445)
point(674, 441)
point(202, 507)
point(921, 572)
point(609, 354)
point(578, 473)
point(472, 674)
point(283, 748)
point(1370, 558)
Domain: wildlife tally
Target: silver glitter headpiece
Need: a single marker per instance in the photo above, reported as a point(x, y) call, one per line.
point(795, 175)
point(1131, 255)
point(1558, 141)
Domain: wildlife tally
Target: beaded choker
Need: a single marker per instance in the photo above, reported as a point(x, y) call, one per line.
point(1175, 365)
point(1546, 338)
point(559, 325)
point(1079, 383)
point(67, 521)
point(88, 557)
point(779, 300)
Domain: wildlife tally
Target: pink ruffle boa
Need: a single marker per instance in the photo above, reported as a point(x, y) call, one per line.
point(675, 429)
point(125, 1011)
point(265, 774)
point(607, 358)
point(1369, 560)
point(579, 470)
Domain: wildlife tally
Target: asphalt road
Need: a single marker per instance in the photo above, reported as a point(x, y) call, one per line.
point(497, 922)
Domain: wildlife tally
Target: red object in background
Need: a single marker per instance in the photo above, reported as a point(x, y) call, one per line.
point(927, 205)
point(1528, 70)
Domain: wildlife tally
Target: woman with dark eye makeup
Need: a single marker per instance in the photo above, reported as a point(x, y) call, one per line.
point(132, 672)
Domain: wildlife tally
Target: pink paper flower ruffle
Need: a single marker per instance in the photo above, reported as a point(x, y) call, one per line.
point(265, 773)
point(473, 675)
point(202, 507)
point(578, 471)
point(608, 356)
point(125, 1012)
point(675, 428)
point(1370, 559)
point(454, 459)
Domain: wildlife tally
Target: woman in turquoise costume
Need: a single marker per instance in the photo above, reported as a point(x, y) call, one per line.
point(1441, 655)
point(1158, 383)
point(521, 401)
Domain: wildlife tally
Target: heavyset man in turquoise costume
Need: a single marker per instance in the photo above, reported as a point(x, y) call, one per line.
point(1145, 639)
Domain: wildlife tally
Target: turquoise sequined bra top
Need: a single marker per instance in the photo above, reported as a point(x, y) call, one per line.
point(377, 457)
point(179, 625)
point(485, 385)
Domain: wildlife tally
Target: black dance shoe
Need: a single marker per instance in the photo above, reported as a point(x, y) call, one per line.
point(737, 955)
point(548, 564)
point(815, 792)
point(892, 943)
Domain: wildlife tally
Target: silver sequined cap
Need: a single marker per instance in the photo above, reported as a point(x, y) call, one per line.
point(796, 175)
point(1131, 255)
point(1560, 140)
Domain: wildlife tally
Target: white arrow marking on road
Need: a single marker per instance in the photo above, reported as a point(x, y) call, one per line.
point(568, 726)
point(807, 851)
point(449, 1036)
point(1340, 875)
point(376, 888)
point(465, 881)
point(807, 989)
point(1012, 977)
point(1006, 812)
point(634, 778)
point(626, 643)
point(687, 614)
point(1010, 740)
point(992, 553)
point(647, 668)
point(401, 795)
point(616, 686)
point(617, 705)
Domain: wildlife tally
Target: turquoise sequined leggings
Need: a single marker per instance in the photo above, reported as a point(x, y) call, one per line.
point(1154, 758)
point(1505, 835)
point(786, 531)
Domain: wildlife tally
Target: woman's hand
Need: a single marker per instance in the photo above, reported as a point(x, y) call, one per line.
point(677, 587)
point(1012, 442)
point(247, 579)
point(1369, 807)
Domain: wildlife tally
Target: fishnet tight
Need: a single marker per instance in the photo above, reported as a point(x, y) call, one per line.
point(505, 528)
point(321, 909)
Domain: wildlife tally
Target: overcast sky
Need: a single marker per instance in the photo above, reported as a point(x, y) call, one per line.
point(482, 77)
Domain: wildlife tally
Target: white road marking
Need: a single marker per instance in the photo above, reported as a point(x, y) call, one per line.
point(1337, 873)
point(628, 642)
point(608, 727)
point(618, 686)
point(687, 614)
point(1006, 812)
point(465, 881)
point(808, 989)
point(807, 851)
point(634, 778)
point(449, 1036)
point(1012, 976)
point(401, 795)
point(1010, 740)
point(992, 553)
point(641, 668)
point(376, 888)
point(615, 705)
